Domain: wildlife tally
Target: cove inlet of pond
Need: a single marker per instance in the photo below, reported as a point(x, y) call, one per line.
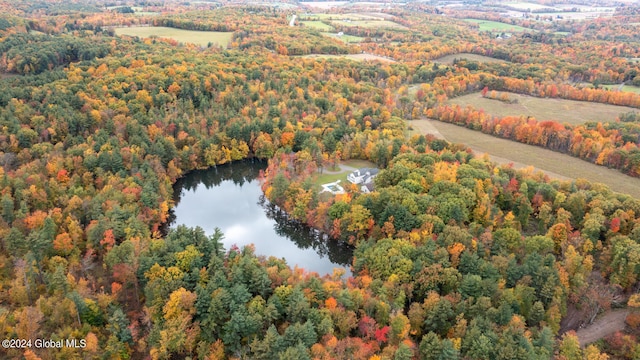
point(229, 197)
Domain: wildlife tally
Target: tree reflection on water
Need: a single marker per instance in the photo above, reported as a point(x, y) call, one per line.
point(305, 237)
point(240, 173)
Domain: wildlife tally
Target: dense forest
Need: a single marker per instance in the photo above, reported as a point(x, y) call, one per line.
point(455, 257)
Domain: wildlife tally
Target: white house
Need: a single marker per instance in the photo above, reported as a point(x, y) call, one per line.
point(363, 176)
point(367, 188)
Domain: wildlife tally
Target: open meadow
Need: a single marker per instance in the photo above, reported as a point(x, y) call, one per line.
point(344, 38)
point(355, 57)
point(202, 38)
point(526, 6)
point(348, 16)
point(503, 151)
point(324, 4)
point(449, 59)
point(486, 25)
point(567, 11)
point(371, 24)
point(563, 111)
point(625, 88)
point(316, 24)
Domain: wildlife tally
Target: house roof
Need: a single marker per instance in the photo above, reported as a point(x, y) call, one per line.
point(369, 186)
point(371, 171)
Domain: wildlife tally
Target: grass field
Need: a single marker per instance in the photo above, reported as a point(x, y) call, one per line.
point(344, 38)
point(625, 88)
point(373, 24)
point(356, 57)
point(342, 17)
point(486, 25)
point(324, 4)
point(358, 164)
point(201, 38)
point(317, 25)
point(146, 13)
point(527, 6)
point(569, 111)
point(329, 177)
point(448, 59)
point(503, 151)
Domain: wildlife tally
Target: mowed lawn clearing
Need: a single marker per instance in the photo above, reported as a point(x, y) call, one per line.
point(503, 151)
point(317, 25)
point(448, 59)
point(563, 111)
point(202, 38)
point(625, 88)
point(486, 25)
point(344, 38)
point(372, 24)
point(341, 172)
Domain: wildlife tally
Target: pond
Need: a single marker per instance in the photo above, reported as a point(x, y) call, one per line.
point(229, 197)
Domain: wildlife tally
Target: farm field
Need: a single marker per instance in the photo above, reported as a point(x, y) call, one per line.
point(134, 8)
point(625, 88)
point(324, 4)
point(202, 38)
point(486, 25)
point(527, 6)
point(356, 57)
point(564, 111)
point(565, 11)
point(448, 59)
point(580, 16)
point(556, 165)
point(146, 13)
point(344, 38)
point(373, 24)
point(316, 24)
point(349, 16)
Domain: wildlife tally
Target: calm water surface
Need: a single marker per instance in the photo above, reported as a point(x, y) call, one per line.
point(229, 197)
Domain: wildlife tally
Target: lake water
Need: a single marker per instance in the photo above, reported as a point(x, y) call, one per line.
point(229, 197)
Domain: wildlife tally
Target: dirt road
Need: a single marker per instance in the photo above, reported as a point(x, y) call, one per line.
point(607, 324)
